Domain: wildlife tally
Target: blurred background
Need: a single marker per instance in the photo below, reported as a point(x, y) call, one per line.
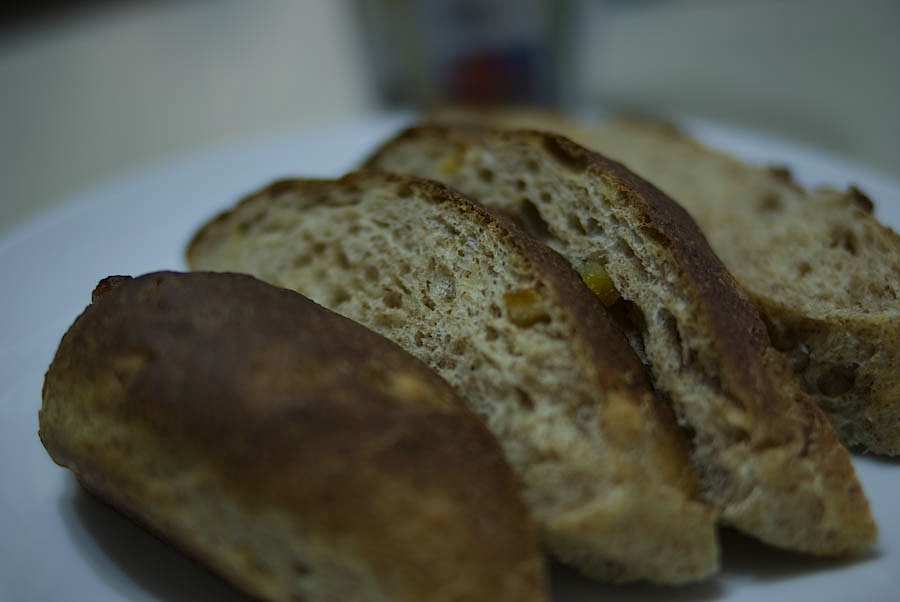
point(96, 89)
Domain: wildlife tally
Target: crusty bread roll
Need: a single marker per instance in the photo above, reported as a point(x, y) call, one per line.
point(296, 453)
point(766, 454)
point(824, 272)
point(511, 325)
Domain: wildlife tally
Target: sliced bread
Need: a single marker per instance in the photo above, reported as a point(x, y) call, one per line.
point(767, 456)
point(508, 323)
point(294, 452)
point(824, 272)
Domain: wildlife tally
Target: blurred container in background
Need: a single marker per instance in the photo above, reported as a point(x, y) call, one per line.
point(466, 51)
point(824, 73)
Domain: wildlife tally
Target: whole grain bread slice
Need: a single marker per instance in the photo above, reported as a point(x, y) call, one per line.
point(767, 455)
point(508, 322)
point(822, 269)
point(296, 453)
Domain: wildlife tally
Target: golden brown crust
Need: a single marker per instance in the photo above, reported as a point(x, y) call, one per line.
point(293, 410)
point(782, 464)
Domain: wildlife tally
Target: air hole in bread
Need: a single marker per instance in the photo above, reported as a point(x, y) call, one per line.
point(799, 356)
point(243, 227)
point(845, 239)
point(592, 227)
point(632, 322)
point(405, 269)
point(786, 340)
point(524, 400)
point(393, 299)
point(388, 320)
point(371, 273)
point(804, 268)
point(485, 175)
point(458, 347)
point(342, 260)
point(566, 154)
point(782, 338)
point(520, 184)
point(339, 296)
point(837, 380)
point(445, 362)
point(770, 203)
point(585, 415)
point(529, 217)
point(575, 225)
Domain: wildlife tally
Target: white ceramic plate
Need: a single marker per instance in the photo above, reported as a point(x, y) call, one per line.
point(59, 544)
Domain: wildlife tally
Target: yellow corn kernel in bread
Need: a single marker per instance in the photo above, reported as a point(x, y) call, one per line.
point(525, 307)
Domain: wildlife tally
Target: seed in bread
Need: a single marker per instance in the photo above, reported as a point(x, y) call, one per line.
point(766, 454)
point(294, 452)
point(509, 323)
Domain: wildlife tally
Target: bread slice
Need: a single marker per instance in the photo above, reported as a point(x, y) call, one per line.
point(824, 272)
point(294, 452)
point(509, 323)
point(767, 456)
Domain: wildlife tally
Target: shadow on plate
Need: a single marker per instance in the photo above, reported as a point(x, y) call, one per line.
point(751, 559)
point(744, 561)
point(568, 584)
point(877, 460)
point(130, 559)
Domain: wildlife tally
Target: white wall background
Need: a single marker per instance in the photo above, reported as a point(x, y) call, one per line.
point(826, 72)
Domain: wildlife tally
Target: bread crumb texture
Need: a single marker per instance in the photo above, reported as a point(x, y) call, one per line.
point(766, 455)
point(509, 324)
point(824, 272)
